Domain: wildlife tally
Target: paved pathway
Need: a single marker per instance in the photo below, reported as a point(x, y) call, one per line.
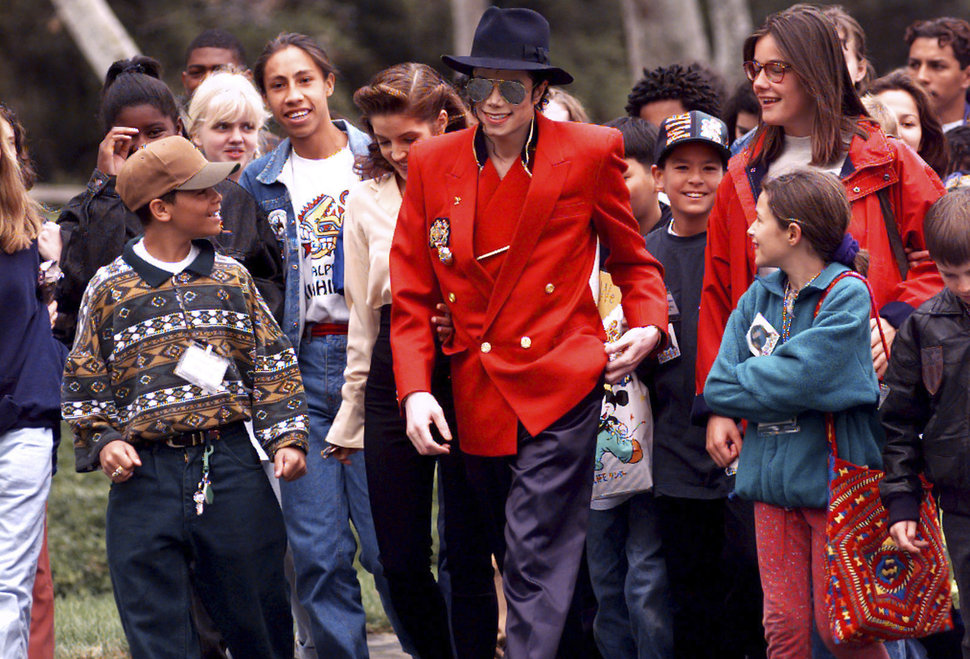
point(384, 646)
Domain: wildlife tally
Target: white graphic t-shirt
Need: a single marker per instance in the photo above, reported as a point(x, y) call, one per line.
point(318, 190)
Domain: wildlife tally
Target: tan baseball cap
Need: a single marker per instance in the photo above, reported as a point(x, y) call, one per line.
point(171, 163)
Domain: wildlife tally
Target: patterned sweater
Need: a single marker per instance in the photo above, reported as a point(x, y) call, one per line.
point(119, 381)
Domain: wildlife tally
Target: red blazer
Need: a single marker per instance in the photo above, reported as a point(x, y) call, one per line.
point(528, 345)
point(876, 162)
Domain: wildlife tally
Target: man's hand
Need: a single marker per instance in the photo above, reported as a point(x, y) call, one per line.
point(289, 463)
point(880, 360)
point(421, 410)
point(49, 242)
point(627, 353)
point(118, 460)
point(443, 326)
point(723, 440)
point(114, 149)
point(904, 533)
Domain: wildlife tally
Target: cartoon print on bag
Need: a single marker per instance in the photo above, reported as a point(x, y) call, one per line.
point(614, 436)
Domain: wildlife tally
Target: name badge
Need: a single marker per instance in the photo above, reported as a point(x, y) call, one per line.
point(203, 368)
point(779, 427)
point(673, 350)
point(762, 337)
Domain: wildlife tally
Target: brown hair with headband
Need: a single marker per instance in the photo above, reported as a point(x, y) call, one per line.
point(817, 202)
point(412, 89)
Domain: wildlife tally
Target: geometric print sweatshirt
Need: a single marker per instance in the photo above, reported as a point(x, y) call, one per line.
point(134, 324)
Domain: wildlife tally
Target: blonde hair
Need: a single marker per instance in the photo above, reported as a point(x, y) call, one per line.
point(20, 217)
point(883, 115)
point(226, 95)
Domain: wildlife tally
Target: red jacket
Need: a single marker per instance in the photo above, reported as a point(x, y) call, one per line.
point(873, 163)
point(528, 345)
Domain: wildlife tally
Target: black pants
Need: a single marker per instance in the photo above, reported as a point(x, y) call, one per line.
point(232, 554)
point(401, 482)
point(713, 571)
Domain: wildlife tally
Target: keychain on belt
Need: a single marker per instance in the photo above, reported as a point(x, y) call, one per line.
point(203, 492)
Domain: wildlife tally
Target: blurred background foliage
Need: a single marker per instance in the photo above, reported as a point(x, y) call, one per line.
point(48, 83)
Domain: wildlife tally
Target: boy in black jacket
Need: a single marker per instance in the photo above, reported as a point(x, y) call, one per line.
point(925, 413)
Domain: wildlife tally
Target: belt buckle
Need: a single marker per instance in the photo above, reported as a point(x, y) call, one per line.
point(187, 439)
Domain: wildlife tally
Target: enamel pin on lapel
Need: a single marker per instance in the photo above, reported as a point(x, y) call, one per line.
point(440, 235)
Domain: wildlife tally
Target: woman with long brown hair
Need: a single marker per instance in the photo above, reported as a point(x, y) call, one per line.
point(918, 124)
point(400, 106)
point(811, 116)
point(29, 403)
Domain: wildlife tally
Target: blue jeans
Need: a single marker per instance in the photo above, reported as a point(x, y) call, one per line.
point(318, 510)
point(626, 566)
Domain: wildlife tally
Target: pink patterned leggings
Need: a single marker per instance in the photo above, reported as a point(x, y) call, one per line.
point(791, 557)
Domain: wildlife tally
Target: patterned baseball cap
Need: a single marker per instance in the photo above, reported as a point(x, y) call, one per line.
point(694, 126)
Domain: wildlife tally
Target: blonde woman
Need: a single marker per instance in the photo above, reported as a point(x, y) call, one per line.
point(29, 404)
point(226, 118)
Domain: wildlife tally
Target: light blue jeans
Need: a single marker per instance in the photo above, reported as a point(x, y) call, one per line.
point(629, 576)
point(318, 510)
point(25, 479)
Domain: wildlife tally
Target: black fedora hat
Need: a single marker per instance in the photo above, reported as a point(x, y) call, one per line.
point(511, 39)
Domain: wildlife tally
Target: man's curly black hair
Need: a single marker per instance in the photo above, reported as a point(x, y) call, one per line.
point(688, 84)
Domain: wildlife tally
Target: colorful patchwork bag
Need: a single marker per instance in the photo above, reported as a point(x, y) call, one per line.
point(876, 590)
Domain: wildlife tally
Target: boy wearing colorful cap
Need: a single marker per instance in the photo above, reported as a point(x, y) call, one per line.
point(175, 355)
point(691, 491)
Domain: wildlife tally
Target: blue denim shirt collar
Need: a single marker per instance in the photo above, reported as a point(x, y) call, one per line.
point(357, 140)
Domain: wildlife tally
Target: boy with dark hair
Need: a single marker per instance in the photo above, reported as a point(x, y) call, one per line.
point(692, 509)
point(924, 413)
point(175, 355)
point(939, 59)
point(669, 90)
point(210, 50)
point(639, 142)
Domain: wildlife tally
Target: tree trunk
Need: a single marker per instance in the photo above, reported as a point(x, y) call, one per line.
point(97, 31)
point(730, 26)
point(661, 32)
point(464, 18)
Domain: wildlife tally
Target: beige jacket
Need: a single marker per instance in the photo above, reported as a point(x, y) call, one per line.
point(369, 221)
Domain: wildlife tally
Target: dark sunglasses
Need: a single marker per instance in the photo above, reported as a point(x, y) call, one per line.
point(478, 89)
point(774, 70)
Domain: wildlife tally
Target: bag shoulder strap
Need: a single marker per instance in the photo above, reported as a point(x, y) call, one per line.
point(873, 312)
point(892, 232)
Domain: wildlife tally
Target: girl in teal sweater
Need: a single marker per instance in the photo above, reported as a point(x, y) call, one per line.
point(782, 367)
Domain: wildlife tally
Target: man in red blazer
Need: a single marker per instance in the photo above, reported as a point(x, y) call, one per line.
point(500, 222)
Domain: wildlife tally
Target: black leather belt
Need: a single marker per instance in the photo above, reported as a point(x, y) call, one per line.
point(197, 438)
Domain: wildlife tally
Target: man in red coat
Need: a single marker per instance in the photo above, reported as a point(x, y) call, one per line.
point(501, 223)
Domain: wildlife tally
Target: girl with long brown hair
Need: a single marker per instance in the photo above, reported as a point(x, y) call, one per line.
point(918, 124)
point(402, 105)
point(29, 403)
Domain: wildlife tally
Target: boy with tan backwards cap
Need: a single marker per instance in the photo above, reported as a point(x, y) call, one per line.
point(175, 352)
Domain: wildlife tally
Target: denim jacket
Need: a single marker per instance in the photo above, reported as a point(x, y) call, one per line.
point(261, 179)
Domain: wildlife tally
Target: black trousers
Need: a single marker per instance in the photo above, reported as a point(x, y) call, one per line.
point(713, 571)
point(401, 485)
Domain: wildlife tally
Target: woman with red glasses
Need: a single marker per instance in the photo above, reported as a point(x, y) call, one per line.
point(811, 116)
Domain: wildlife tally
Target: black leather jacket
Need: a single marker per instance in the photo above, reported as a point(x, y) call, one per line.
point(95, 226)
point(929, 382)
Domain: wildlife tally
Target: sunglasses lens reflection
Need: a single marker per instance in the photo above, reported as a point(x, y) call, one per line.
point(479, 89)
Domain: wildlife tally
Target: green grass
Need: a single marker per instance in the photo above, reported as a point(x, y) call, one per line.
point(86, 620)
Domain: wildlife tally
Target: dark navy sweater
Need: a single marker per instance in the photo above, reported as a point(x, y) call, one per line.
point(31, 361)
